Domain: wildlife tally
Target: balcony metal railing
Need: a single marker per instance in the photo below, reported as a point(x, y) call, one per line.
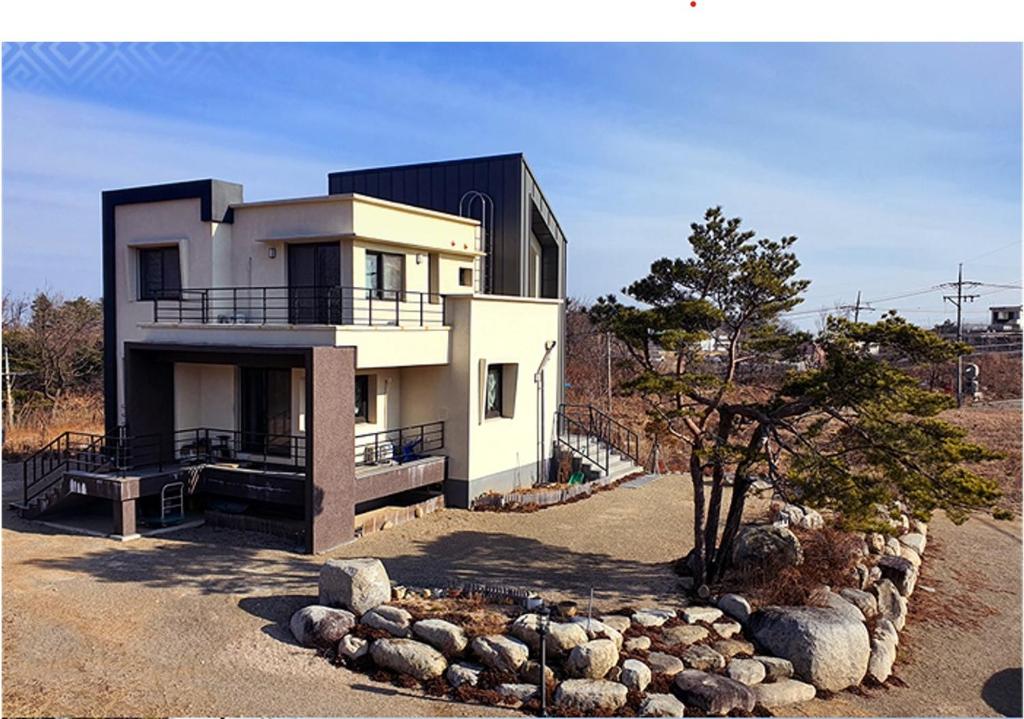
point(305, 305)
point(399, 445)
point(207, 444)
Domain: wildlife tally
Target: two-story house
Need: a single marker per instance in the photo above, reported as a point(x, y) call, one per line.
point(312, 357)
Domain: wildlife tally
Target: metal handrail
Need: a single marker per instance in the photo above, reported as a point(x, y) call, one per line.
point(209, 444)
point(610, 430)
point(580, 441)
point(399, 445)
point(300, 304)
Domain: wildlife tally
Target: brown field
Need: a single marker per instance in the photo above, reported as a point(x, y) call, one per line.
point(33, 427)
point(998, 427)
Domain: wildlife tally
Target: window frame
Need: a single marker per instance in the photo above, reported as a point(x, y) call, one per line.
point(376, 289)
point(465, 273)
point(364, 380)
point(144, 292)
point(498, 411)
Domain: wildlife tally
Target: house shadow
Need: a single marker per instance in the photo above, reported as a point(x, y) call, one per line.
point(1002, 692)
point(278, 610)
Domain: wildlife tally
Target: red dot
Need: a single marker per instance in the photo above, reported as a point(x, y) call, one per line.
point(693, 3)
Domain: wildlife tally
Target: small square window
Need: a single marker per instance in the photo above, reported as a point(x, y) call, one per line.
point(494, 390)
point(466, 276)
point(159, 273)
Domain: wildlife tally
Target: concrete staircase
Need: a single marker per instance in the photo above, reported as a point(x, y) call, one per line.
point(593, 450)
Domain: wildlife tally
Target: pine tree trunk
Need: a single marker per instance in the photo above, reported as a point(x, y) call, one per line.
point(697, 477)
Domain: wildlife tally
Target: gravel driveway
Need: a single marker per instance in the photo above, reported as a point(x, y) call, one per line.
point(195, 623)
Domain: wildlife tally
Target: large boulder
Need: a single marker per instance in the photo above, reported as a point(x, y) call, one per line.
point(766, 546)
point(713, 694)
point(662, 705)
point(444, 636)
point(358, 585)
point(561, 638)
point(407, 656)
point(827, 649)
point(321, 627)
point(735, 606)
point(635, 674)
point(783, 693)
point(901, 572)
point(591, 696)
point(500, 653)
point(593, 659)
point(393, 620)
point(891, 604)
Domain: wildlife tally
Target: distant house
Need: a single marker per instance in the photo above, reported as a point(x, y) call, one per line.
point(307, 360)
point(1005, 318)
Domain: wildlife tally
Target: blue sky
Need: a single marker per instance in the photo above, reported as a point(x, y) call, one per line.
point(891, 162)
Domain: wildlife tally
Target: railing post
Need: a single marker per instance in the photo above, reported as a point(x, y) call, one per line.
point(264, 306)
point(234, 305)
point(421, 309)
point(401, 447)
point(398, 308)
point(369, 308)
point(155, 313)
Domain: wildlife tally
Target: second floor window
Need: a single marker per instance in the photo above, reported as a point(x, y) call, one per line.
point(159, 273)
point(362, 398)
point(384, 274)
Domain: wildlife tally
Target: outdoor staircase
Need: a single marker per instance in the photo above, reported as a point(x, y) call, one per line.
point(602, 447)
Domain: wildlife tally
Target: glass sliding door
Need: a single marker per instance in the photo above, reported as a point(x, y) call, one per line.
point(266, 410)
point(314, 279)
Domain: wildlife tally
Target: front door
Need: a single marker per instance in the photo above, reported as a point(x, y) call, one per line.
point(314, 279)
point(266, 410)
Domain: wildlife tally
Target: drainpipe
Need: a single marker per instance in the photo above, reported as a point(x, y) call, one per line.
point(538, 378)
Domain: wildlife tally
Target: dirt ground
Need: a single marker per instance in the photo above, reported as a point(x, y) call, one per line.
point(195, 623)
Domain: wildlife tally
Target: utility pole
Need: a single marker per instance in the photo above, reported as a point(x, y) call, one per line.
point(608, 352)
point(857, 308)
point(959, 302)
point(9, 385)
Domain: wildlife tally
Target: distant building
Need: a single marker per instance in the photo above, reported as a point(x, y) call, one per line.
point(1005, 318)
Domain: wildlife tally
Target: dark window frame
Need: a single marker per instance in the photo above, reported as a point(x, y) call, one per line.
point(364, 380)
point(498, 409)
point(465, 273)
point(170, 269)
point(376, 287)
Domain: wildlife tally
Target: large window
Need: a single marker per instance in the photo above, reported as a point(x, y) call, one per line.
point(159, 273)
point(384, 274)
point(494, 390)
point(362, 398)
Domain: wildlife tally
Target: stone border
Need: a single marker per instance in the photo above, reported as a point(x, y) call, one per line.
point(532, 499)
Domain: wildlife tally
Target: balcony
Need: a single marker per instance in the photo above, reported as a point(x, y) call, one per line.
point(305, 305)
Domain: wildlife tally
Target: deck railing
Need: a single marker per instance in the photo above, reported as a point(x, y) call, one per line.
point(266, 449)
point(400, 445)
point(300, 305)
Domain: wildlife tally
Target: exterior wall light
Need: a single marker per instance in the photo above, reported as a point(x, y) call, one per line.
point(419, 258)
point(272, 252)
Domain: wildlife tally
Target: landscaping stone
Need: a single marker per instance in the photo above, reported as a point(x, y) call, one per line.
point(713, 694)
point(662, 705)
point(826, 648)
point(321, 627)
point(652, 617)
point(518, 693)
point(703, 657)
point(775, 668)
point(358, 585)
point(730, 648)
point(684, 634)
point(844, 607)
point(910, 555)
point(561, 637)
point(661, 663)
point(892, 547)
point(591, 696)
point(812, 519)
point(617, 622)
point(746, 671)
point(596, 629)
point(393, 620)
point(891, 604)
point(727, 630)
point(916, 525)
point(461, 673)
point(791, 514)
point(692, 615)
point(637, 644)
point(593, 659)
point(501, 653)
point(876, 542)
point(783, 693)
point(864, 601)
point(884, 639)
point(915, 541)
point(635, 675)
point(351, 647)
point(443, 636)
point(766, 545)
point(407, 656)
point(531, 674)
point(735, 606)
point(900, 572)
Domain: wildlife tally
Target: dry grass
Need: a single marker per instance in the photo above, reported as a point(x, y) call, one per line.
point(997, 428)
point(35, 426)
